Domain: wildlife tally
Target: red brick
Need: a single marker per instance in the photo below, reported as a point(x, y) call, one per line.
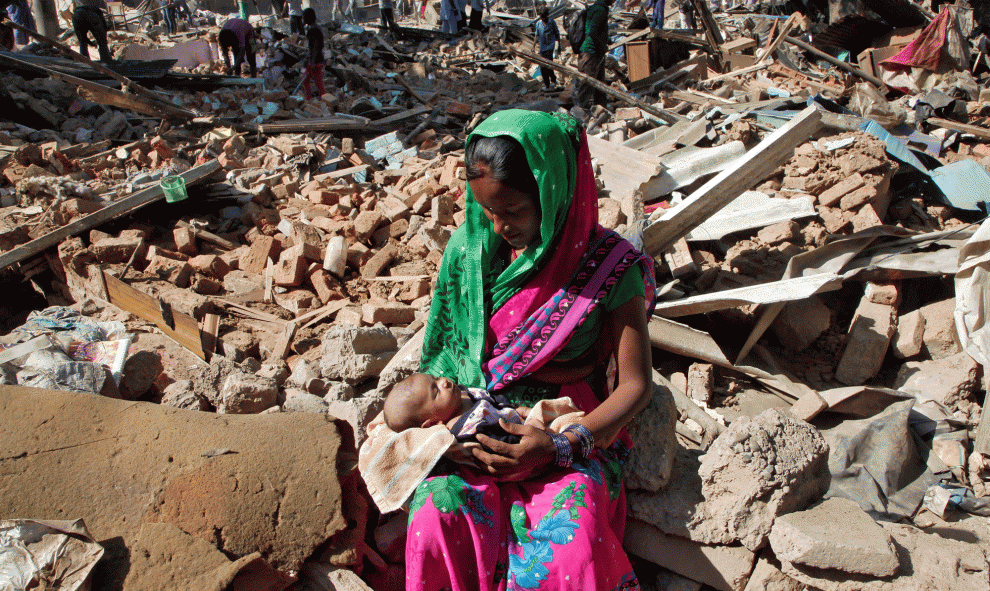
point(159, 146)
point(263, 248)
point(831, 197)
point(379, 262)
point(388, 314)
point(206, 285)
point(176, 272)
point(460, 109)
point(158, 251)
point(211, 265)
point(326, 287)
point(185, 241)
point(291, 268)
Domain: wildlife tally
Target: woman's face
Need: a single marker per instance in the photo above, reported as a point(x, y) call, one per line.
point(515, 216)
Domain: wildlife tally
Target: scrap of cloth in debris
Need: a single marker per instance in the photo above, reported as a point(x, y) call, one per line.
point(879, 463)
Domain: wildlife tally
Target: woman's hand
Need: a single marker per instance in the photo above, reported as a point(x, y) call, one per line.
point(511, 462)
point(462, 453)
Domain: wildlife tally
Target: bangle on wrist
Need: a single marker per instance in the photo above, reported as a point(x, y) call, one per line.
point(585, 438)
point(565, 456)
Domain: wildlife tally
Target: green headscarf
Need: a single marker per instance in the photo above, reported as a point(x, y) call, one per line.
point(463, 301)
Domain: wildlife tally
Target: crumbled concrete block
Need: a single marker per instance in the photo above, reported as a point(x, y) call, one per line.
point(909, 336)
point(652, 431)
point(244, 393)
point(180, 394)
point(858, 198)
point(351, 315)
point(801, 322)
point(940, 329)
point(767, 577)
point(869, 336)
point(757, 469)
point(811, 538)
point(949, 380)
point(296, 301)
point(434, 236)
point(725, 568)
point(358, 412)
point(302, 401)
point(354, 354)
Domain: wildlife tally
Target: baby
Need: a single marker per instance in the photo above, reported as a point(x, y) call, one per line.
point(422, 400)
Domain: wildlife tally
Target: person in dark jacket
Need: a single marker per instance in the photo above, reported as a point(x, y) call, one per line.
point(88, 18)
point(591, 62)
point(237, 37)
point(315, 61)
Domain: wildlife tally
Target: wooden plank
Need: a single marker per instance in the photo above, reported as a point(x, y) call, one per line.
point(712, 32)
point(981, 132)
point(767, 52)
point(632, 100)
point(184, 329)
point(208, 236)
point(633, 37)
point(115, 209)
point(736, 73)
point(757, 164)
point(284, 341)
point(211, 332)
point(322, 312)
point(391, 120)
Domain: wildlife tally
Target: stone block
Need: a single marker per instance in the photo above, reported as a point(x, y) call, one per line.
point(940, 329)
point(869, 336)
point(767, 577)
point(909, 337)
point(296, 301)
point(434, 236)
point(801, 322)
point(651, 459)
point(442, 210)
point(808, 406)
point(610, 213)
point(393, 208)
point(949, 380)
point(883, 293)
point(244, 393)
point(354, 354)
point(700, 381)
point(859, 197)
point(155, 251)
point(811, 538)
point(388, 314)
point(326, 287)
point(302, 401)
point(725, 568)
point(185, 241)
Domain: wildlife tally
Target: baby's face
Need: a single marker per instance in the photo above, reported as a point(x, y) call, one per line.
point(439, 398)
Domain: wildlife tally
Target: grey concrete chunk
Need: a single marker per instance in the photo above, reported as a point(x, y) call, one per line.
point(836, 534)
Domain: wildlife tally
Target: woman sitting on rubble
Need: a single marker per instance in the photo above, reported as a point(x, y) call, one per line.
point(533, 300)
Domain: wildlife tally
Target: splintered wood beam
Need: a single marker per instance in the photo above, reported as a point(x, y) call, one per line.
point(756, 165)
point(664, 116)
point(116, 209)
point(125, 83)
point(837, 62)
point(179, 327)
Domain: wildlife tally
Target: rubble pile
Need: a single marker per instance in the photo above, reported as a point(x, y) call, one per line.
point(820, 239)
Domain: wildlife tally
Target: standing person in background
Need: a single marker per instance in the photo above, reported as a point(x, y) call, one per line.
point(449, 15)
point(687, 13)
point(315, 61)
point(477, 8)
point(295, 17)
point(20, 13)
point(461, 14)
point(659, 7)
point(182, 9)
point(386, 7)
point(88, 18)
point(168, 13)
point(237, 36)
point(592, 59)
point(547, 36)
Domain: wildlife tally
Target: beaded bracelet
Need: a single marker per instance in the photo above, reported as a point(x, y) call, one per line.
point(585, 438)
point(565, 456)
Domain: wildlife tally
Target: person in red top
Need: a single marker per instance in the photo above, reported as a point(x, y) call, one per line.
point(315, 60)
point(237, 36)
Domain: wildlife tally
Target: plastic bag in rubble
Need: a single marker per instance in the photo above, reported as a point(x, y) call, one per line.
point(46, 555)
point(867, 102)
point(55, 370)
point(942, 498)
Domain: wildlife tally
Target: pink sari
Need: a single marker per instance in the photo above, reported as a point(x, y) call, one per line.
point(564, 529)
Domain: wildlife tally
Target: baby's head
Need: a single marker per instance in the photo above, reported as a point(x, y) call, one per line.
point(422, 400)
